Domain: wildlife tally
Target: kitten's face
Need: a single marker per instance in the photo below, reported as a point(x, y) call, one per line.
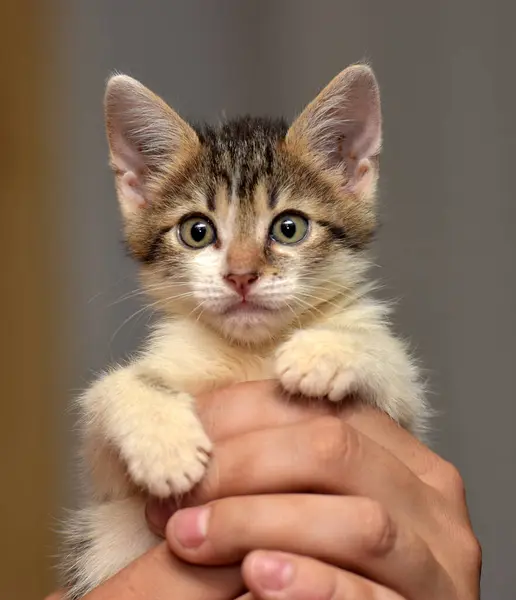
point(246, 231)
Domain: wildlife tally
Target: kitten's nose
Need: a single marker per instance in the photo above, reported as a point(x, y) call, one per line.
point(241, 283)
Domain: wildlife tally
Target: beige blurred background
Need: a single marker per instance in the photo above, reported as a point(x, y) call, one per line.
point(447, 248)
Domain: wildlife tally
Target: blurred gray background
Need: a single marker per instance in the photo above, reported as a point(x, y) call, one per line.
point(447, 247)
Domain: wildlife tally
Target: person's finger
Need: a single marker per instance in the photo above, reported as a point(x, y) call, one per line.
point(158, 574)
point(353, 533)
point(255, 405)
point(430, 468)
point(279, 576)
point(323, 455)
point(251, 406)
point(418, 457)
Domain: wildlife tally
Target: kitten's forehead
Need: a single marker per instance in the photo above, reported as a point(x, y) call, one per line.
point(242, 153)
point(246, 217)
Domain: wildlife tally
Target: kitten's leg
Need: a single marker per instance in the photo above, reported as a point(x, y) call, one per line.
point(368, 362)
point(138, 431)
point(101, 540)
point(135, 415)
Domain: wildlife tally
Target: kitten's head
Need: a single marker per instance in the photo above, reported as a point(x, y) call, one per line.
point(252, 225)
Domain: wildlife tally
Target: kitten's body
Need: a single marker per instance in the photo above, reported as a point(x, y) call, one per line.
point(251, 304)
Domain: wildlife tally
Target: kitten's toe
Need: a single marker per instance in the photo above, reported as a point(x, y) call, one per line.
point(316, 366)
point(343, 384)
point(304, 366)
point(316, 383)
point(172, 459)
point(177, 471)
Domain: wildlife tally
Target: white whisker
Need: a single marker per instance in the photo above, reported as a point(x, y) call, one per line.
point(107, 289)
point(130, 318)
point(307, 304)
point(321, 300)
point(296, 316)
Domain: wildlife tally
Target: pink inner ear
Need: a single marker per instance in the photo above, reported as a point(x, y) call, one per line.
point(361, 178)
point(343, 125)
point(131, 192)
point(124, 156)
point(358, 136)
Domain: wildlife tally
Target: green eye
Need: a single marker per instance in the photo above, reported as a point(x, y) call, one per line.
point(289, 228)
point(197, 232)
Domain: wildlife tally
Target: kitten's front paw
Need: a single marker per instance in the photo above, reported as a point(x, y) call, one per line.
point(319, 364)
point(172, 456)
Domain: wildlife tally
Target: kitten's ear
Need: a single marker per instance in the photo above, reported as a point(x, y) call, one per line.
point(147, 139)
point(342, 129)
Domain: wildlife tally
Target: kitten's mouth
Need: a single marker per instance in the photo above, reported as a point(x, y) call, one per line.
point(246, 307)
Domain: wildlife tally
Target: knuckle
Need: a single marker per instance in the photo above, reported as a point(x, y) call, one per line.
point(452, 479)
point(471, 549)
point(332, 442)
point(378, 529)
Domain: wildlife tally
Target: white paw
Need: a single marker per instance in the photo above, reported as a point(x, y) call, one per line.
point(172, 456)
point(320, 364)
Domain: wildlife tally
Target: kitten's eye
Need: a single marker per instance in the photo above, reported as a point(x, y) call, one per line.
point(197, 232)
point(289, 228)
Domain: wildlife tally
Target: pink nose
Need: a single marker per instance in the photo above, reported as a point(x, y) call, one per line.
point(241, 283)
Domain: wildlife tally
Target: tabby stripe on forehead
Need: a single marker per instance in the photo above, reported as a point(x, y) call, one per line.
point(273, 198)
point(269, 160)
point(248, 182)
point(210, 200)
point(224, 177)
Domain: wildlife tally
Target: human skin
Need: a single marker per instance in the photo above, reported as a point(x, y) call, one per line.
point(384, 518)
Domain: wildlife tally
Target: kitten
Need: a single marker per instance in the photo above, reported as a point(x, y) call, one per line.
point(252, 239)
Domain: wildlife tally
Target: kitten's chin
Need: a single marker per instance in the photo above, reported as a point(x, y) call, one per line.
point(253, 325)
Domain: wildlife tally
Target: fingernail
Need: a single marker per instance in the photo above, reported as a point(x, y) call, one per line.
point(271, 573)
point(190, 526)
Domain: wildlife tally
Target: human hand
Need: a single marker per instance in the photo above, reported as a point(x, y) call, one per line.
point(374, 514)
